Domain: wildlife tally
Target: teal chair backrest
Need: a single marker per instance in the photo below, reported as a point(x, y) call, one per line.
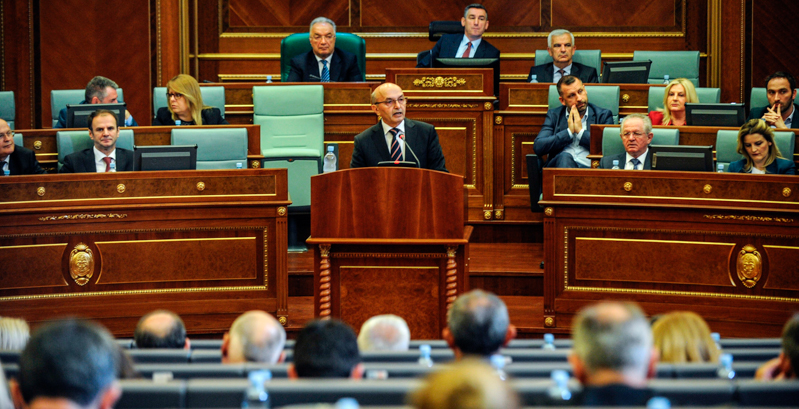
point(299, 43)
point(18, 140)
point(217, 148)
point(591, 58)
point(74, 141)
point(612, 144)
point(705, 95)
point(604, 96)
point(727, 145)
point(758, 98)
point(675, 64)
point(8, 110)
point(212, 96)
point(60, 98)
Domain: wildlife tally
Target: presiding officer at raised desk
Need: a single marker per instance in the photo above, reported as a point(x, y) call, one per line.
point(103, 130)
point(325, 62)
point(761, 155)
point(186, 105)
point(469, 45)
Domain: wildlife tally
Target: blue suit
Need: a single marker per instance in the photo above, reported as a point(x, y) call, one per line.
point(554, 135)
point(447, 47)
point(778, 167)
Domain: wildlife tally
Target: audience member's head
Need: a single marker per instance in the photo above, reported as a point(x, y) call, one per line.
point(786, 366)
point(255, 336)
point(69, 363)
point(612, 345)
point(326, 349)
point(14, 333)
point(101, 90)
point(384, 333)
point(161, 329)
point(478, 324)
point(467, 384)
point(5, 396)
point(682, 337)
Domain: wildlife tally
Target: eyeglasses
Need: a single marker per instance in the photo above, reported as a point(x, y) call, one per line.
point(635, 134)
point(9, 134)
point(390, 102)
point(173, 95)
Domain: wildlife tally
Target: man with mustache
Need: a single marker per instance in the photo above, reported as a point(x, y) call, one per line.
point(636, 135)
point(103, 130)
point(560, 45)
point(565, 137)
point(781, 92)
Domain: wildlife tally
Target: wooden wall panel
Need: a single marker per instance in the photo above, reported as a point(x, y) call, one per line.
point(17, 58)
point(774, 46)
point(264, 13)
point(419, 13)
point(651, 15)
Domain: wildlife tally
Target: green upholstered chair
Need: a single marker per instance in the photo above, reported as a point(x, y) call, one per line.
point(60, 98)
point(612, 144)
point(591, 58)
point(73, 141)
point(18, 140)
point(217, 148)
point(212, 96)
point(727, 145)
point(8, 110)
point(675, 64)
point(604, 96)
point(758, 98)
point(299, 43)
point(705, 95)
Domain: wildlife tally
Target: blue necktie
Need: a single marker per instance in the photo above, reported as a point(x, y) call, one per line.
point(2, 167)
point(396, 151)
point(325, 72)
point(635, 163)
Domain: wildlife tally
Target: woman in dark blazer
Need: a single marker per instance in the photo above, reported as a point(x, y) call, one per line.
point(185, 105)
point(761, 155)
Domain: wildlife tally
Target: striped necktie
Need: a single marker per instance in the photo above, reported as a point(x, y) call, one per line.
point(325, 72)
point(396, 150)
point(635, 163)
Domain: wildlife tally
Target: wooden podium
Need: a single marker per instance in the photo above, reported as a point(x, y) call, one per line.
point(389, 241)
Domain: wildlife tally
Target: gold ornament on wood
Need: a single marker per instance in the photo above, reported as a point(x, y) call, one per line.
point(81, 264)
point(749, 265)
point(439, 82)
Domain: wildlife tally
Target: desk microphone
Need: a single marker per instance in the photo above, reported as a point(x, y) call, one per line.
point(407, 145)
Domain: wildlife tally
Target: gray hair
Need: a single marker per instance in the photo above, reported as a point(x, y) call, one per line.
point(644, 118)
point(260, 335)
point(613, 336)
point(558, 32)
point(478, 321)
point(97, 86)
point(319, 20)
point(14, 333)
point(384, 333)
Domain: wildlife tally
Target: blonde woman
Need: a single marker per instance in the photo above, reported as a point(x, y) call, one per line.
point(466, 384)
point(185, 104)
point(14, 333)
point(684, 337)
point(679, 92)
point(761, 155)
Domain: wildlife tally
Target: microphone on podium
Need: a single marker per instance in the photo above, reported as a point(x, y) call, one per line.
point(402, 136)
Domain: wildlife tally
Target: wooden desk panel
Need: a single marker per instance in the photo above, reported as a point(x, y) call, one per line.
point(535, 97)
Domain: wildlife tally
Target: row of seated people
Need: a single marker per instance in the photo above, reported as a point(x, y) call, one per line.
point(613, 356)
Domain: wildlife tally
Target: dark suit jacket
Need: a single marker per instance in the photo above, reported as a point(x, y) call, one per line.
point(778, 167)
point(211, 116)
point(607, 161)
point(757, 113)
point(62, 118)
point(371, 148)
point(83, 161)
point(447, 47)
point(23, 162)
point(554, 135)
point(343, 67)
point(545, 73)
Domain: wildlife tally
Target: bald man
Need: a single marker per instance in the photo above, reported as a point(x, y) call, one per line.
point(161, 329)
point(255, 336)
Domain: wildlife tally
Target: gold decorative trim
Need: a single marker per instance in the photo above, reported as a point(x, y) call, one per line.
point(513, 155)
point(283, 321)
point(628, 186)
point(281, 211)
point(473, 121)
point(498, 119)
point(200, 186)
point(439, 106)
point(255, 164)
point(498, 214)
point(487, 214)
point(83, 217)
point(40, 191)
point(749, 265)
point(388, 255)
point(549, 322)
point(681, 293)
point(748, 218)
point(488, 35)
point(81, 264)
point(439, 82)
point(121, 188)
point(488, 106)
point(786, 192)
point(707, 188)
point(549, 211)
point(37, 145)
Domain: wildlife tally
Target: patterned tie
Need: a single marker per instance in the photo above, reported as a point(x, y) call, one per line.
point(325, 72)
point(107, 160)
point(2, 166)
point(635, 163)
point(396, 151)
point(467, 53)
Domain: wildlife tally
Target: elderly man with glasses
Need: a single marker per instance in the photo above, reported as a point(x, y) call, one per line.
point(15, 160)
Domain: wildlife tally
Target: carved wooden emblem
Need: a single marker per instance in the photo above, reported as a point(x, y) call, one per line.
point(81, 264)
point(750, 265)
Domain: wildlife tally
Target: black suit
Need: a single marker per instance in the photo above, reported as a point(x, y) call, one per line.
point(211, 116)
point(607, 161)
point(343, 68)
point(757, 113)
point(371, 147)
point(554, 136)
point(83, 161)
point(546, 72)
point(23, 162)
point(447, 46)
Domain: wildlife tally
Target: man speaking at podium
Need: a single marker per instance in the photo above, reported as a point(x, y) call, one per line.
point(395, 138)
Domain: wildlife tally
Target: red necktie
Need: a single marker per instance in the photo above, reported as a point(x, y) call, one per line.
point(107, 160)
point(468, 50)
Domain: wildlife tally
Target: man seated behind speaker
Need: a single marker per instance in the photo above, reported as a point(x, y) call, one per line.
point(636, 135)
point(161, 329)
point(560, 46)
point(104, 156)
point(478, 325)
point(396, 138)
point(17, 160)
point(325, 62)
point(326, 349)
point(255, 336)
point(100, 90)
point(468, 45)
point(565, 136)
point(781, 110)
point(786, 366)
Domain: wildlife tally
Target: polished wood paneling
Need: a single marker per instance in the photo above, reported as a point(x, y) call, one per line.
point(253, 13)
point(419, 13)
point(648, 15)
point(770, 50)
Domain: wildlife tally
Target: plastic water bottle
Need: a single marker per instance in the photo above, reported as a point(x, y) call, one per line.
point(560, 390)
point(113, 167)
point(725, 367)
point(177, 122)
point(6, 172)
point(549, 342)
point(424, 355)
point(658, 402)
point(269, 81)
point(717, 339)
point(256, 396)
point(666, 79)
point(239, 165)
point(720, 169)
point(533, 78)
point(329, 163)
point(498, 363)
point(347, 403)
point(615, 164)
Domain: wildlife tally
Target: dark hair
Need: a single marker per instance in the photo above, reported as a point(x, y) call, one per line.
point(566, 80)
point(99, 112)
point(790, 342)
point(174, 338)
point(474, 6)
point(96, 88)
point(326, 349)
point(783, 74)
point(479, 322)
point(69, 359)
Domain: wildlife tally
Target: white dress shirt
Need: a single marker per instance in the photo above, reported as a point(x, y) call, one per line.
point(556, 75)
point(320, 65)
point(462, 48)
point(100, 163)
point(629, 164)
point(390, 138)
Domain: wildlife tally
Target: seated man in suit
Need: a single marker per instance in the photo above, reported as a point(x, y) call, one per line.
point(161, 329)
point(388, 140)
point(781, 92)
point(636, 135)
point(326, 349)
point(560, 45)
point(17, 160)
point(103, 130)
point(100, 90)
point(325, 63)
point(468, 45)
point(785, 366)
point(478, 325)
point(565, 136)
